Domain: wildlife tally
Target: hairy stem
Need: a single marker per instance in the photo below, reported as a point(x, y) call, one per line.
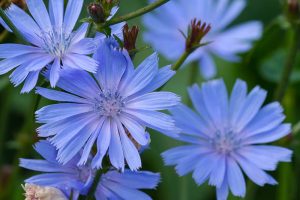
point(135, 14)
point(11, 25)
point(288, 68)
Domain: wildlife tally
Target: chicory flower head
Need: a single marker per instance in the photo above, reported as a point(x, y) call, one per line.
point(111, 109)
point(71, 179)
point(227, 136)
point(166, 23)
point(53, 44)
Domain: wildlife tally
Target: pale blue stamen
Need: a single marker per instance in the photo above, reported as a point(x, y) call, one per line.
point(109, 104)
point(56, 41)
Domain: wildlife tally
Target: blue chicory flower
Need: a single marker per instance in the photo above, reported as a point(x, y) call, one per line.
point(71, 179)
point(164, 35)
point(112, 110)
point(226, 137)
point(53, 45)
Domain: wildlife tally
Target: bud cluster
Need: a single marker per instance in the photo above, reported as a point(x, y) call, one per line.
point(101, 10)
point(130, 37)
point(197, 31)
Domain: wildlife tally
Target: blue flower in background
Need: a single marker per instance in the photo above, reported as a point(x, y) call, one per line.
point(226, 137)
point(53, 44)
point(164, 35)
point(78, 180)
point(112, 110)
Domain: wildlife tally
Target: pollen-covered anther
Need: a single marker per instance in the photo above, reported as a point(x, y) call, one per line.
point(130, 37)
point(197, 31)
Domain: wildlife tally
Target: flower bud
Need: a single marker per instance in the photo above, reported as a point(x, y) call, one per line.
point(96, 12)
point(196, 33)
point(35, 192)
point(130, 37)
point(4, 4)
point(293, 7)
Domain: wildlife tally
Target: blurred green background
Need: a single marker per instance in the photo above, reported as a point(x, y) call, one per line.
point(261, 66)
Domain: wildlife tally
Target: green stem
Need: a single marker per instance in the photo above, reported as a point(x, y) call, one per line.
point(288, 68)
point(180, 61)
point(11, 25)
point(135, 14)
point(92, 191)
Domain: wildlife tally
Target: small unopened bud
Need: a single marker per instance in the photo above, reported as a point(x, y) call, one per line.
point(130, 37)
point(196, 33)
point(20, 3)
point(293, 7)
point(96, 12)
point(35, 192)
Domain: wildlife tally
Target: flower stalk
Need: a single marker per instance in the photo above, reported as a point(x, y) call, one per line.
point(288, 68)
point(134, 14)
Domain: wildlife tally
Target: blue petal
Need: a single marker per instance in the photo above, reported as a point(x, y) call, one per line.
point(235, 178)
point(156, 120)
point(59, 96)
point(25, 24)
point(154, 101)
point(115, 148)
point(40, 14)
point(42, 166)
point(81, 62)
point(131, 154)
point(257, 175)
point(72, 13)
point(84, 46)
point(137, 180)
point(237, 99)
point(46, 150)
point(56, 11)
point(207, 67)
point(54, 72)
point(143, 76)
point(103, 142)
point(12, 50)
point(217, 175)
point(270, 136)
point(82, 83)
point(205, 165)
point(49, 113)
point(30, 81)
point(136, 130)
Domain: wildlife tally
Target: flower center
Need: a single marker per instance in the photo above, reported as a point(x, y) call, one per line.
point(225, 143)
point(109, 104)
point(56, 41)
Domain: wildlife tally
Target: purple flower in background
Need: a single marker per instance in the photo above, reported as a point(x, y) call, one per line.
point(112, 110)
point(226, 137)
point(53, 45)
point(71, 178)
point(68, 178)
point(164, 35)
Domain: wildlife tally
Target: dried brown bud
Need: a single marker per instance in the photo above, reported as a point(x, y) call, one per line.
point(6, 3)
point(197, 31)
point(96, 12)
point(293, 7)
point(130, 37)
point(20, 3)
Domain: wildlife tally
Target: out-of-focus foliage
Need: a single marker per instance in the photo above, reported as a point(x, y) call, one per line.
point(261, 66)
